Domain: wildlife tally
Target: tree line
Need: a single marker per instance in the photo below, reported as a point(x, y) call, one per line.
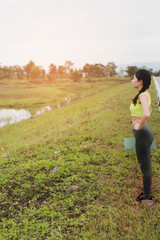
point(132, 69)
point(33, 72)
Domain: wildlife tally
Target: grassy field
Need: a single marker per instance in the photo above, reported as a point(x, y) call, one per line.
point(23, 94)
point(65, 174)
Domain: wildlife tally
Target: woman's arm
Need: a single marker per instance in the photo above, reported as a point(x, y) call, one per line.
point(146, 110)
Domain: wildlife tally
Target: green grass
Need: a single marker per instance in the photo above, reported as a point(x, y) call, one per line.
point(65, 174)
point(22, 94)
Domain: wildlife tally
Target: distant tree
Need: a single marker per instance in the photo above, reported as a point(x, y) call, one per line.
point(61, 71)
point(98, 70)
point(110, 69)
point(5, 71)
point(131, 70)
point(35, 73)
point(87, 69)
point(18, 71)
point(156, 73)
point(52, 69)
point(151, 71)
point(94, 70)
point(52, 74)
point(50, 77)
point(1, 72)
point(107, 71)
point(43, 73)
point(68, 64)
point(9, 71)
point(76, 75)
point(27, 68)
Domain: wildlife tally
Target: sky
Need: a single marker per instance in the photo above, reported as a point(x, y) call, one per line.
point(82, 31)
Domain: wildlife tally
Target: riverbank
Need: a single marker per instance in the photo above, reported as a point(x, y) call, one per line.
point(65, 174)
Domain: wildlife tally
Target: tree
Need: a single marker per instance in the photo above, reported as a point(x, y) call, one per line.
point(131, 70)
point(43, 73)
point(52, 69)
point(11, 72)
point(76, 75)
point(4, 72)
point(52, 72)
point(94, 70)
point(110, 69)
point(27, 68)
point(61, 71)
point(156, 73)
point(68, 64)
point(35, 72)
point(86, 69)
point(1, 72)
point(18, 72)
point(151, 71)
point(98, 70)
point(8, 71)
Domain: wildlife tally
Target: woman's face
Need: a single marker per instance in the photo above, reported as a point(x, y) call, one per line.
point(136, 83)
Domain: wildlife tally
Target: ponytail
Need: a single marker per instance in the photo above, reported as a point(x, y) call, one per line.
point(134, 100)
point(145, 76)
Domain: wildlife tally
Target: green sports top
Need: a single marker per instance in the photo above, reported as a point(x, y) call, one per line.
point(136, 110)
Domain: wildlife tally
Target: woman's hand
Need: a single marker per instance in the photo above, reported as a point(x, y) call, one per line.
point(136, 126)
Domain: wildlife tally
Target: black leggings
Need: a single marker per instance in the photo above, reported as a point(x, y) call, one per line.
point(144, 138)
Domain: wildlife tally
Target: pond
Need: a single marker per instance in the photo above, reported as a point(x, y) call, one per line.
point(10, 116)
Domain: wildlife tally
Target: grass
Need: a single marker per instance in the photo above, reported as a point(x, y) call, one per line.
point(65, 174)
point(22, 94)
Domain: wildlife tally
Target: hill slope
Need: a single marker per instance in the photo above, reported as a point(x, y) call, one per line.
point(65, 174)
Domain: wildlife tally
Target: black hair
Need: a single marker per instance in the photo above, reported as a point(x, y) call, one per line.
point(145, 76)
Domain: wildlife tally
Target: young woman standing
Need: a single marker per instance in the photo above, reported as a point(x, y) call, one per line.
point(140, 110)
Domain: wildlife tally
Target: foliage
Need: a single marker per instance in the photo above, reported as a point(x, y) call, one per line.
point(131, 70)
point(156, 73)
point(27, 68)
point(68, 64)
point(99, 70)
point(35, 72)
point(76, 75)
point(61, 70)
point(94, 70)
point(11, 71)
point(52, 69)
point(110, 69)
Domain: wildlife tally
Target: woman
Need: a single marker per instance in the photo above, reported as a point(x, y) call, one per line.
point(140, 110)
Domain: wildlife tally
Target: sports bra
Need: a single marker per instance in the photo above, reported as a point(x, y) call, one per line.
point(136, 110)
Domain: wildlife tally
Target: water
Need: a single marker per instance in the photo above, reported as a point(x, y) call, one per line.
point(48, 108)
point(10, 116)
